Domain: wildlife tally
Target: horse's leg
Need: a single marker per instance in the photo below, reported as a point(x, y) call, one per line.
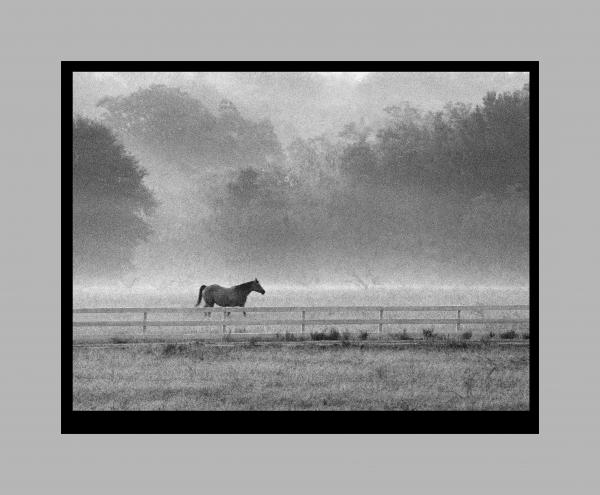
point(206, 305)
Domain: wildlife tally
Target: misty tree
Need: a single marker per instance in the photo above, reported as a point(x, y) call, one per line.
point(178, 128)
point(488, 146)
point(252, 216)
point(495, 228)
point(405, 146)
point(467, 149)
point(452, 183)
point(359, 161)
point(110, 202)
point(314, 162)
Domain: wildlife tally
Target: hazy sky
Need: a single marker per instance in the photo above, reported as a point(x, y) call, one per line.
point(304, 103)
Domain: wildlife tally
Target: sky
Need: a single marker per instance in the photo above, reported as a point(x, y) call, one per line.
point(303, 104)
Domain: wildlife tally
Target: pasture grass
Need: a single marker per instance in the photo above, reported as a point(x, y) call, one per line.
point(440, 375)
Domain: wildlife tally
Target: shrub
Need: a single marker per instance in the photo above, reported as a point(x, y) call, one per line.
point(346, 335)
point(363, 335)
point(331, 334)
point(511, 334)
point(402, 335)
point(466, 335)
point(173, 349)
point(492, 335)
point(525, 335)
point(428, 333)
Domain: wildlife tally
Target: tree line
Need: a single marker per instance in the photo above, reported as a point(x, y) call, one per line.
point(423, 189)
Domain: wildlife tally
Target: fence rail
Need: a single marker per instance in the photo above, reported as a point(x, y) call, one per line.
point(303, 322)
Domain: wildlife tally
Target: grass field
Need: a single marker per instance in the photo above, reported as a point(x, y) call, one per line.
point(195, 376)
point(436, 375)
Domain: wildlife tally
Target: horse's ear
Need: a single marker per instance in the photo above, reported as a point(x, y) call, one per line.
point(256, 279)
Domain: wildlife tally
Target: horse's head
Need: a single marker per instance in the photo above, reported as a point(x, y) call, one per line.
point(257, 287)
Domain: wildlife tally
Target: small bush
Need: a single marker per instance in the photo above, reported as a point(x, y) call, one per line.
point(401, 335)
point(466, 335)
point(331, 334)
point(492, 335)
point(511, 334)
point(525, 335)
point(363, 335)
point(428, 333)
point(346, 336)
point(173, 349)
point(120, 340)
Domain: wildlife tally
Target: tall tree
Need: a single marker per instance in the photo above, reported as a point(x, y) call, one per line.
point(110, 202)
point(178, 128)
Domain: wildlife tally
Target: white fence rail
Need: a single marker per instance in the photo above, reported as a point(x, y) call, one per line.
point(303, 321)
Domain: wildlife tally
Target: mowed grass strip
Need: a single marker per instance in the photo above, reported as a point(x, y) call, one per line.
point(197, 377)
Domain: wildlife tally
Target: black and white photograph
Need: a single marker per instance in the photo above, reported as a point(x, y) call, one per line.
point(323, 238)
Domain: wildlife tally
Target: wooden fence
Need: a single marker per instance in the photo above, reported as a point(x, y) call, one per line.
point(225, 322)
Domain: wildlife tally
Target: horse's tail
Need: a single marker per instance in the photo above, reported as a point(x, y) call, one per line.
point(200, 294)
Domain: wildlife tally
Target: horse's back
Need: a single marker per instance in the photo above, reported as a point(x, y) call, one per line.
point(213, 287)
point(213, 291)
point(223, 296)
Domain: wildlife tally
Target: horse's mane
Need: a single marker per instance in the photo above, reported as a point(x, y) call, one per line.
point(245, 285)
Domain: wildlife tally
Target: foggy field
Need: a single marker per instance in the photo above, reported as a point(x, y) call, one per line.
point(185, 296)
point(198, 377)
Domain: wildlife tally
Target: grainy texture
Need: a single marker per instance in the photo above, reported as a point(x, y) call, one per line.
point(197, 377)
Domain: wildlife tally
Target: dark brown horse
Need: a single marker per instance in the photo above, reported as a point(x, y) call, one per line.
point(227, 297)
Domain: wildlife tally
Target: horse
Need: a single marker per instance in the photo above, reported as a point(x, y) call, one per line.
point(226, 297)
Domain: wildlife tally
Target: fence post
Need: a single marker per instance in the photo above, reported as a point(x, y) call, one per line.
point(458, 322)
point(223, 325)
point(303, 318)
point(144, 322)
point(381, 319)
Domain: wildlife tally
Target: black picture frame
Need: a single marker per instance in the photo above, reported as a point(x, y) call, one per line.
point(295, 422)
